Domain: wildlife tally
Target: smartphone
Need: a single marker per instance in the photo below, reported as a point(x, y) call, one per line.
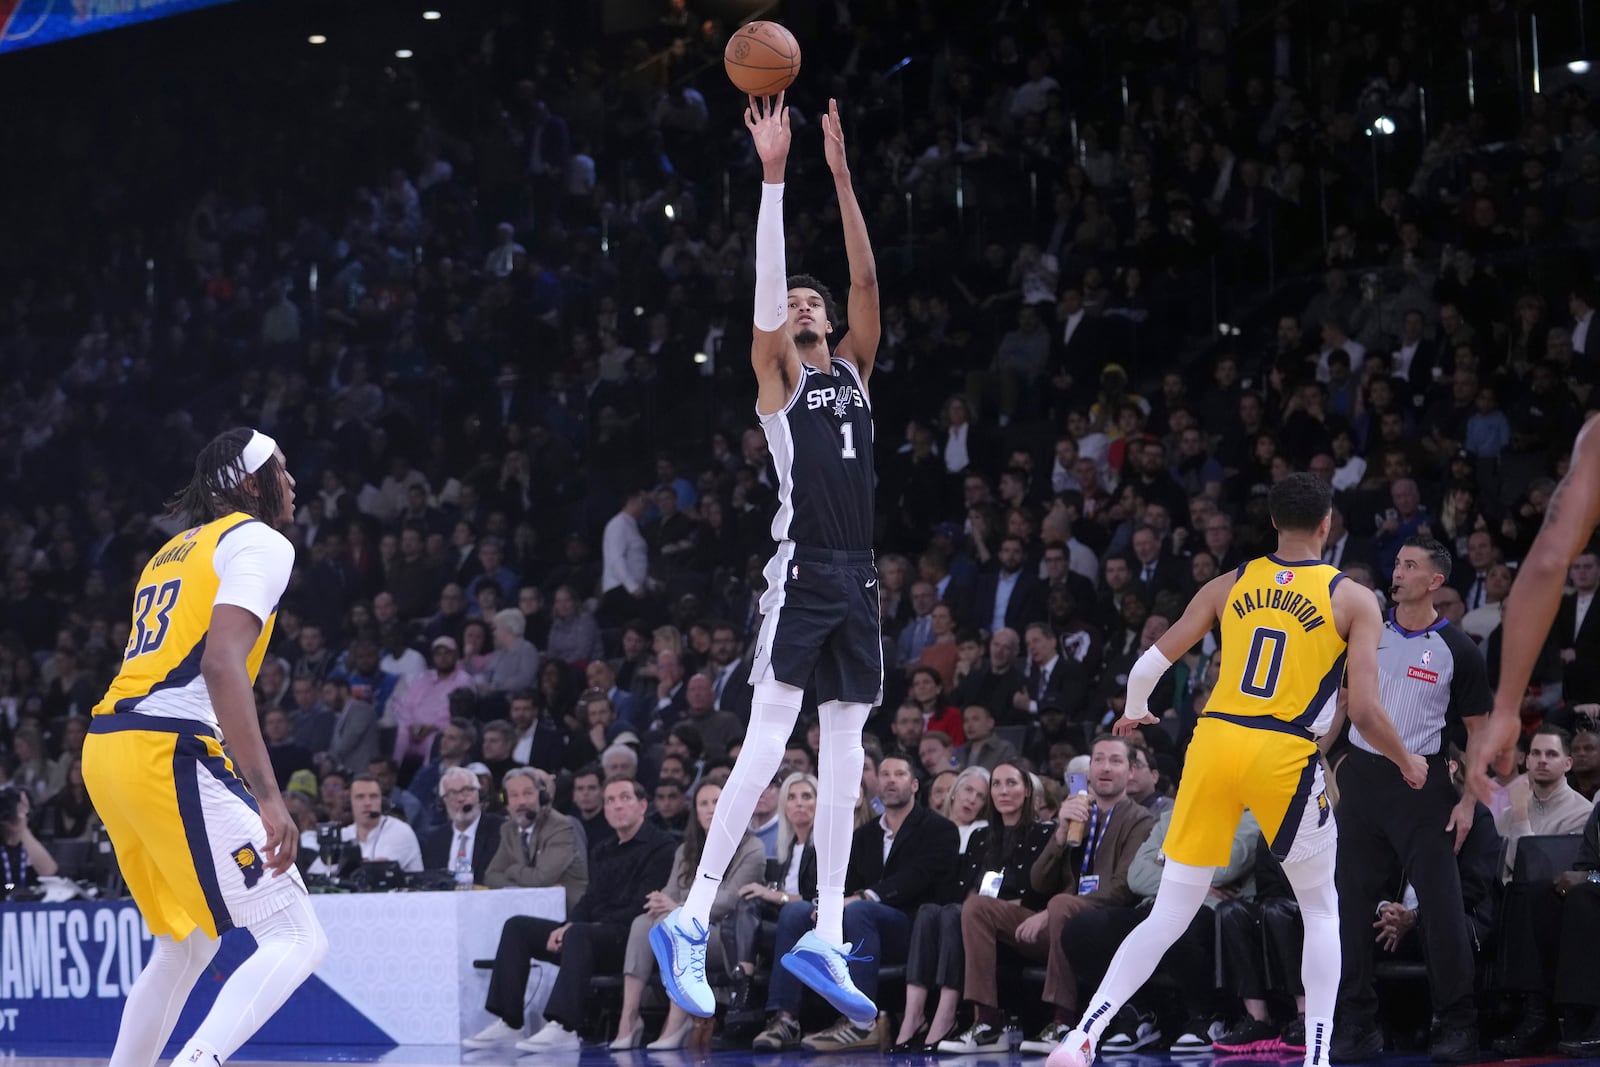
point(1077, 785)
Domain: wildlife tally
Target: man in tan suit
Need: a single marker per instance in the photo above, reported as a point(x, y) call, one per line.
point(538, 844)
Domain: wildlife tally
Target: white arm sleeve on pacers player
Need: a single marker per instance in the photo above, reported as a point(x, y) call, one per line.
point(1142, 681)
point(253, 562)
point(772, 278)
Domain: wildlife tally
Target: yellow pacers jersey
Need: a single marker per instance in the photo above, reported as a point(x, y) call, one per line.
point(1282, 656)
point(172, 605)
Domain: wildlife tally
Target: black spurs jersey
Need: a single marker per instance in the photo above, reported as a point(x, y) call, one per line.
point(821, 444)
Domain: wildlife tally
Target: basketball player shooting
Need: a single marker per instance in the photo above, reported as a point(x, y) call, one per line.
point(1291, 626)
point(820, 609)
point(1531, 606)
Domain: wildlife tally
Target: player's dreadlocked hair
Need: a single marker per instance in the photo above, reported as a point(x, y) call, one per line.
point(806, 281)
point(217, 488)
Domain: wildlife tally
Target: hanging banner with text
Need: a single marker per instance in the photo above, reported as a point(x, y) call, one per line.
point(26, 23)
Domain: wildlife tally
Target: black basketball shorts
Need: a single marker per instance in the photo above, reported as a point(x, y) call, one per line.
point(820, 624)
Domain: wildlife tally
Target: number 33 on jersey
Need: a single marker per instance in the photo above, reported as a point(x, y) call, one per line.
point(234, 560)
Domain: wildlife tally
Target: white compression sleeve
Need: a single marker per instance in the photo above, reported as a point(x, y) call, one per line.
point(774, 709)
point(1320, 959)
point(1182, 894)
point(158, 996)
point(772, 277)
point(290, 945)
point(1142, 679)
point(838, 788)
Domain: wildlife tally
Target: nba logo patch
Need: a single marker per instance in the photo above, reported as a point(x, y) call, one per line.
point(1283, 577)
point(1427, 658)
point(190, 536)
point(794, 572)
point(248, 861)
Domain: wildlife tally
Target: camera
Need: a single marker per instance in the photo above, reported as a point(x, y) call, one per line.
point(10, 802)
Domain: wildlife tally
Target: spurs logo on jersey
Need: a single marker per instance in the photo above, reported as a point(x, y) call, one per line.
point(821, 446)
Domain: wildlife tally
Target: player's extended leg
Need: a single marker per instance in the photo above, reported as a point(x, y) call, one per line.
point(821, 958)
point(1182, 893)
point(1312, 880)
point(158, 996)
point(290, 945)
point(679, 940)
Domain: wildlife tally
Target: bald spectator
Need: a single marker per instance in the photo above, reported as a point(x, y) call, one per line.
point(716, 728)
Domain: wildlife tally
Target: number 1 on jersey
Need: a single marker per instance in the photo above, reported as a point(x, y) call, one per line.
point(849, 433)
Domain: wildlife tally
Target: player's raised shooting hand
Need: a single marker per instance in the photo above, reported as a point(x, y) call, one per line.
point(768, 122)
point(833, 140)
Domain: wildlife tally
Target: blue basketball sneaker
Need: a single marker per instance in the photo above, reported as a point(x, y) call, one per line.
point(826, 969)
point(681, 955)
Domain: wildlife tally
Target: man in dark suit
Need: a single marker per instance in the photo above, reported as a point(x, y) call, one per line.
point(633, 863)
point(885, 892)
point(471, 834)
point(1577, 633)
point(1472, 580)
point(1153, 570)
point(1011, 596)
point(1050, 678)
point(1342, 550)
point(997, 681)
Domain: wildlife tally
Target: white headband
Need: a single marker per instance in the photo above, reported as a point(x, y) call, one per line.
point(257, 451)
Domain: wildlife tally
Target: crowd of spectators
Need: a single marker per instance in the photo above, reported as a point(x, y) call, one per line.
point(493, 304)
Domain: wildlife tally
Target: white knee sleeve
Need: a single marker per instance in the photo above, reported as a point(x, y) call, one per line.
point(839, 766)
point(290, 945)
point(774, 709)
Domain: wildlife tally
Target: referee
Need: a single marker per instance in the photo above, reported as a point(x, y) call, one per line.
point(1432, 681)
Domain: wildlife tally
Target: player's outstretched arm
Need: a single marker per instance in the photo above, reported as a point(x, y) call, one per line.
point(1363, 703)
point(1192, 626)
point(860, 345)
point(771, 351)
point(224, 666)
point(1531, 606)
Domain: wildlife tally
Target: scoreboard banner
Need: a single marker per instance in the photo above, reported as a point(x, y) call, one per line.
point(26, 23)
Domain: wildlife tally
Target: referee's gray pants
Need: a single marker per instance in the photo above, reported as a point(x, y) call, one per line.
point(1390, 833)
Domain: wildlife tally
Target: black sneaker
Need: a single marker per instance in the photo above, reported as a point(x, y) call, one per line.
point(1133, 1030)
point(1354, 1044)
point(1455, 1044)
point(979, 1037)
point(1249, 1035)
point(1293, 1038)
point(1198, 1036)
point(1530, 1037)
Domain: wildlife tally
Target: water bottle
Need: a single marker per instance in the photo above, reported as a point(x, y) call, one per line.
point(463, 873)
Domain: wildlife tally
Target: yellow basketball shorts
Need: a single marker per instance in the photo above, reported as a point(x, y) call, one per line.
point(1268, 766)
point(187, 833)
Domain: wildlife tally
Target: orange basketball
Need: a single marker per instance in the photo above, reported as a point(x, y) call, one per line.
point(762, 58)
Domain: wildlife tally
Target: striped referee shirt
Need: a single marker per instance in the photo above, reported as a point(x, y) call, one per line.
point(1426, 679)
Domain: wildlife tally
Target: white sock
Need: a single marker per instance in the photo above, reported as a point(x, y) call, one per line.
point(1314, 889)
point(838, 789)
point(158, 996)
point(290, 945)
point(1182, 894)
point(774, 709)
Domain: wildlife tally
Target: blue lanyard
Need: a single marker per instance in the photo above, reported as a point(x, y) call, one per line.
point(5, 858)
point(1097, 829)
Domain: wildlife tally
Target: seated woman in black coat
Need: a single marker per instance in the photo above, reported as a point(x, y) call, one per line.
point(996, 863)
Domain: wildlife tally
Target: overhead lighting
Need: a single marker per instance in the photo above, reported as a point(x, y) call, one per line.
point(402, 53)
point(432, 16)
point(637, 311)
point(316, 38)
point(1384, 125)
point(669, 211)
point(1579, 66)
point(701, 357)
